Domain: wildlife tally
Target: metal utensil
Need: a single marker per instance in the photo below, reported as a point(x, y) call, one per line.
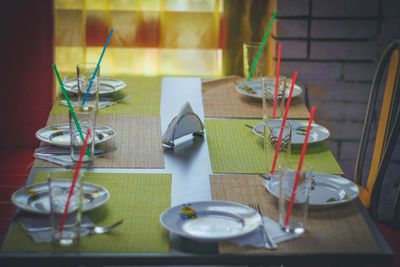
point(249, 126)
point(269, 244)
point(94, 229)
point(265, 176)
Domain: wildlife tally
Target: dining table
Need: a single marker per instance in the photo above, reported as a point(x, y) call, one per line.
point(145, 177)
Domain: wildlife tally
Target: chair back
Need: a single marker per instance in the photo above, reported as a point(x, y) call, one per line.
point(387, 131)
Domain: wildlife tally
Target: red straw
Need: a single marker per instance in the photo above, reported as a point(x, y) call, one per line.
point(78, 166)
point(283, 123)
point(303, 153)
point(278, 64)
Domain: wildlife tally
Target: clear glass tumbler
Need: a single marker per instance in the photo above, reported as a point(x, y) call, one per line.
point(293, 220)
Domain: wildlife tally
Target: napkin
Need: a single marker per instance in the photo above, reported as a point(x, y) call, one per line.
point(255, 238)
point(186, 122)
point(38, 226)
point(61, 155)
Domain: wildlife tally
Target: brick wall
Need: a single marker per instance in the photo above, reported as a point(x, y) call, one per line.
point(335, 46)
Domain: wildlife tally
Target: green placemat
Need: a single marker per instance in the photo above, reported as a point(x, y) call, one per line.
point(144, 97)
point(234, 148)
point(137, 198)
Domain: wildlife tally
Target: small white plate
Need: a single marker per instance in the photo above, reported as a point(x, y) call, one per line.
point(210, 220)
point(107, 85)
point(318, 132)
point(58, 134)
point(326, 190)
point(254, 89)
point(35, 198)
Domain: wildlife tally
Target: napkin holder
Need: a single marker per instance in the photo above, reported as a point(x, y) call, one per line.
point(186, 122)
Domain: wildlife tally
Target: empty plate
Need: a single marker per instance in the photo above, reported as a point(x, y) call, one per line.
point(210, 220)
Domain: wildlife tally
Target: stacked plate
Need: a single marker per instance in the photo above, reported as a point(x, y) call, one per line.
point(35, 198)
point(110, 91)
point(58, 134)
point(107, 85)
point(254, 89)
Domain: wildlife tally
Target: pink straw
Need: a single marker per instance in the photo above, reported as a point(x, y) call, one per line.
point(303, 153)
point(283, 123)
point(78, 166)
point(278, 64)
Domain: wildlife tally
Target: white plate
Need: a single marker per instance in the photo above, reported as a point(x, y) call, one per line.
point(318, 132)
point(35, 198)
point(254, 89)
point(107, 85)
point(326, 190)
point(214, 220)
point(58, 134)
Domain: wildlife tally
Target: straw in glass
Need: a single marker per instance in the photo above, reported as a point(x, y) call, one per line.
point(97, 68)
point(70, 106)
point(76, 173)
point(283, 123)
point(262, 45)
point(296, 181)
point(277, 81)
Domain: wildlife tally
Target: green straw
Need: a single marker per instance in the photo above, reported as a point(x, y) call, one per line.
point(262, 45)
point(70, 107)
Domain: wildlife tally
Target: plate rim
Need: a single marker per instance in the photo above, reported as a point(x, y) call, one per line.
point(23, 207)
point(66, 124)
point(316, 176)
point(116, 89)
point(186, 235)
point(296, 121)
point(297, 90)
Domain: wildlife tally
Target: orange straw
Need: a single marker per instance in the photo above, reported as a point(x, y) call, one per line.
point(78, 166)
point(283, 122)
point(303, 153)
point(278, 64)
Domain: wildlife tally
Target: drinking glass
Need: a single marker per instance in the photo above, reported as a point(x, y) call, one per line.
point(294, 221)
point(273, 107)
point(86, 118)
point(271, 135)
point(59, 192)
point(250, 51)
point(84, 76)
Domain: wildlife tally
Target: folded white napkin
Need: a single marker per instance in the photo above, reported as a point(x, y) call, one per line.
point(186, 122)
point(38, 226)
point(61, 155)
point(255, 238)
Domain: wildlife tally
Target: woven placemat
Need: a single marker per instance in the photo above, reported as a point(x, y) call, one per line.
point(339, 229)
point(137, 142)
point(138, 199)
point(221, 100)
point(144, 97)
point(234, 148)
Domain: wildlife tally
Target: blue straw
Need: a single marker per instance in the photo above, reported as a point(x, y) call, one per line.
point(97, 68)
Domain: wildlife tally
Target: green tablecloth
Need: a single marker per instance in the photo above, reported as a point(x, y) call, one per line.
point(137, 198)
point(234, 148)
point(144, 97)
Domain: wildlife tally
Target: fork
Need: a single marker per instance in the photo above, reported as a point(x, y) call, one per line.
point(95, 229)
point(269, 244)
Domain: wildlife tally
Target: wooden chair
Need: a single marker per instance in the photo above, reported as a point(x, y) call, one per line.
point(387, 134)
point(387, 131)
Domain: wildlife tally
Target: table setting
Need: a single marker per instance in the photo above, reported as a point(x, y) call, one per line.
point(134, 171)
point(108, 206)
